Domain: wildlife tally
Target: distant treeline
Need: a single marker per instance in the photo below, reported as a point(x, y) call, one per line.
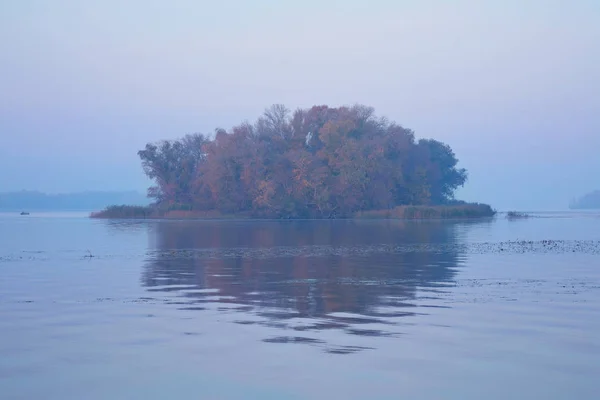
point(320, 162)
point(83, 201)
point(588, 201)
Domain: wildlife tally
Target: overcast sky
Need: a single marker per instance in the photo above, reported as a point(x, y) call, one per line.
point(513, 86)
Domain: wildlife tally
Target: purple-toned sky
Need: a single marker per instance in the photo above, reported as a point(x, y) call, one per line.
point(513, 86)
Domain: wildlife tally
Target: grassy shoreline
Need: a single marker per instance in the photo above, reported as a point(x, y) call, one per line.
point(458, 211)
point(455, 211)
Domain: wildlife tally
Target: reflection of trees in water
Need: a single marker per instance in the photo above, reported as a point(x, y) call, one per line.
point(124, 226)
point(302, 265)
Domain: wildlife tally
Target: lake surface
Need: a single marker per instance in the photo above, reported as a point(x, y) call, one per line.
point(301, 310)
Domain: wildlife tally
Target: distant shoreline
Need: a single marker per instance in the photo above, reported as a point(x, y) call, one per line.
point(34, 201)
point(459, 211)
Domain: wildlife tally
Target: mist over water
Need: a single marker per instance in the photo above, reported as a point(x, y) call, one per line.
point(511, 87)
point(493, 308)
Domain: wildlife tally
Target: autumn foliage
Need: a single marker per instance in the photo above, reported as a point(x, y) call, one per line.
point(320, 162)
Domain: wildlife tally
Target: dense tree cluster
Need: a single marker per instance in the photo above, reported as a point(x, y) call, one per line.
point(320, 162)
point(589, 201)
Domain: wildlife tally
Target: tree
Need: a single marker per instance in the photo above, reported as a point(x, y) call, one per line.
point(172, 165)
point(443, 178)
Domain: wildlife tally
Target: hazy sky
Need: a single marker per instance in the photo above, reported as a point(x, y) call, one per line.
point(513, 85)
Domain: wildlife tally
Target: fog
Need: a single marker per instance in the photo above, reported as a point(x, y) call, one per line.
point(512, 86)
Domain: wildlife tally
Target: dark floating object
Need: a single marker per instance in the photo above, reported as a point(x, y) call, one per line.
point(24, 213)
point(516, 215)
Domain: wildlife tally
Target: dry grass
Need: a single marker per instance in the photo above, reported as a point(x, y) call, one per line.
point(455, 211)
point(459, 211)
point(124, 211)
point(139, 212)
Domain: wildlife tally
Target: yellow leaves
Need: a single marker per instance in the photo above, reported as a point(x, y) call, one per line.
point(265, 193)
point(333, 132)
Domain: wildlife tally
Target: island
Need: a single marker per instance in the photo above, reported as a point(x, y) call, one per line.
point(589, 201)
point(316, 163)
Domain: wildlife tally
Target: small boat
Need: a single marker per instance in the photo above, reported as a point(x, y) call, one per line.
point(24, 213)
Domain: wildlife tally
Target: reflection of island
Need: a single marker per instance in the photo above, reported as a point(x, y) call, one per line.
point(307, 267)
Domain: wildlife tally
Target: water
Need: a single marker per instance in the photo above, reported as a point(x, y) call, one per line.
point(307, 309)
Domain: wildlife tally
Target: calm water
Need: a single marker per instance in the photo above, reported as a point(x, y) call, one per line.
point(311, 309)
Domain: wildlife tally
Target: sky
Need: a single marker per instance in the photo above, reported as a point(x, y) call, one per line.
point(512, 86)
